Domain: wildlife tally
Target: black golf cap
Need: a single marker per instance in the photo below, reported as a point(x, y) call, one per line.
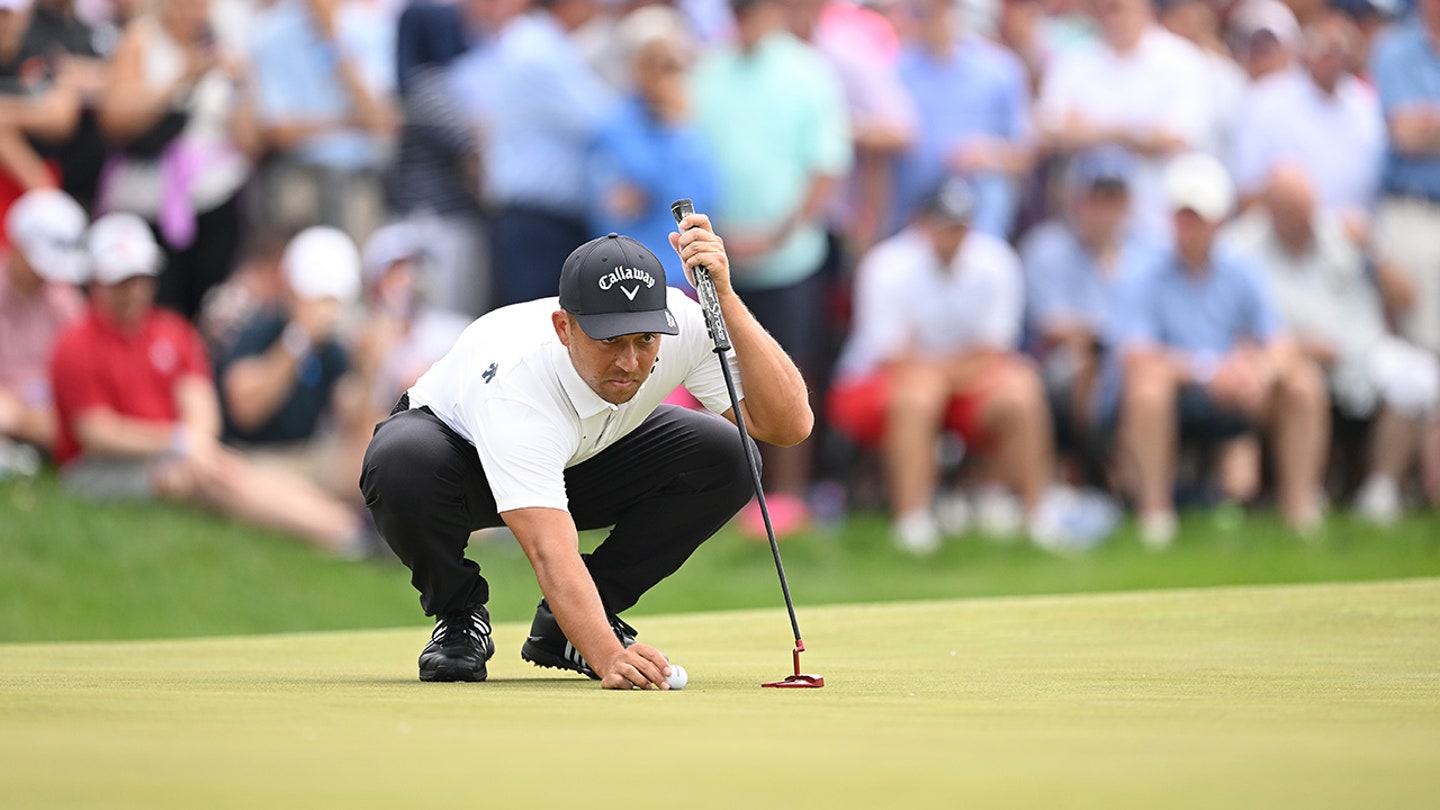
point(615, 286)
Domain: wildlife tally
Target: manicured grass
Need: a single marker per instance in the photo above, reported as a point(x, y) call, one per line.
point(1311, 696)
point(75, 570)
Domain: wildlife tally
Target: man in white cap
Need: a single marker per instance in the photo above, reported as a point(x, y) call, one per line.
point(1205, 356)
point(547, 417)
point(138, 416)
point(278, 381)
point(37, 300)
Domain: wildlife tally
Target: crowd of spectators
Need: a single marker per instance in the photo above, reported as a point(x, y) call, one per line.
point(1037, 259)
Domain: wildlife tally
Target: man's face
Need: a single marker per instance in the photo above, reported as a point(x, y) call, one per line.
point(1193, 233)
point(128, 301)
point(1104, 208)
point(615, 368)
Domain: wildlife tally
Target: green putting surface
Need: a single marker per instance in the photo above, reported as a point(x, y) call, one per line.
point(1303, 696)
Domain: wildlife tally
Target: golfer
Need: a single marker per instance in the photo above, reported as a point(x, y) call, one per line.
point(546, 417)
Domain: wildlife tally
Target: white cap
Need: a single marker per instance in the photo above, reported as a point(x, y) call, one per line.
point(16, 6)
point(48, 227)
point(1271, 16)
point(322, 262)
point(121, 247)
point(390, 244)
point(1199, 182)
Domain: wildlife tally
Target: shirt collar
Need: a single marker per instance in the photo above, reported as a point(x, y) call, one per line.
point(585, 401)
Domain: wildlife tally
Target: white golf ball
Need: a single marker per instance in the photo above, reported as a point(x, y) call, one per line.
point(678, 677)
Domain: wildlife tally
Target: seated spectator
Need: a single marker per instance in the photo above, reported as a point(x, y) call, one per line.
point(1205, 356)
point(256, 285)
point(137, 412)
point(38, 300)
point(278, 382)
point(650, 151)
point(1337, 317)
point(1321, 117)
point(407, 329)
point(188, 136)
point(1073, 268)
point(1267, 37)
point(937, 323)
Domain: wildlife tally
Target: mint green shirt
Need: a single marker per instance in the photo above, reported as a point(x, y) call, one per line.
point(776, 118)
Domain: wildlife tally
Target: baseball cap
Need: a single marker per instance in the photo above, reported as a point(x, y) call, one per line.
point(387, 245)
point(1199, 183)
point(48, 227)
point(122, 246)
point(953, 200)
point(1102, 166)
point(322, 262)
point(615, 286)
point(1267, 16)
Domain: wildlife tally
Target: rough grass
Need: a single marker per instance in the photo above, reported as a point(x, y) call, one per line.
point(75, 570)
point(1296, 696)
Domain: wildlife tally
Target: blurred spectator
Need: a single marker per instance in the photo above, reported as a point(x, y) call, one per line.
point(407, 329)
point(434, 186)
point(539, 105)
point(1267, 37)
point(973, 102)
point(1198, 21)
point(38, 299)
point(322, 94)
point(278, 382)
point(1406, 71)
point(1407, 74)
point(650, 151)
point(1074, 265)
point(434, 34)
point(938, 312)
point(861, 47)
point(775, 113)
point(1337, 317)
point(1140, 87)
point(255, 285)
point(188, 130)
point(137, 411)
point(48, 88)
point(1321, 117)
point(1206, 357)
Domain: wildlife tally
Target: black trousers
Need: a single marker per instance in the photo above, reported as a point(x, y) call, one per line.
point(665, 488)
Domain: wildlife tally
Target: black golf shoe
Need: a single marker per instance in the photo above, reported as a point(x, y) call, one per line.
point(548, 647)
point(459, 647)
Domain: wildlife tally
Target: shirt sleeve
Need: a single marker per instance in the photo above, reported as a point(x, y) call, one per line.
point(1392, 80)
point(1264, 319)
point(76, 382)
point(1135, 324)
point(1048, 301)
point(829, 141)
point(1000, 327)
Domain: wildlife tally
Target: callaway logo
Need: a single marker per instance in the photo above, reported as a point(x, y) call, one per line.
point(620, 274)
point(489, 373)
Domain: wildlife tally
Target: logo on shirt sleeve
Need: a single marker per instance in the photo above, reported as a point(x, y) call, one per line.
point(489, 373)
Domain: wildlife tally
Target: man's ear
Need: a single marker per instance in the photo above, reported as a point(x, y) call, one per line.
point(561, 319)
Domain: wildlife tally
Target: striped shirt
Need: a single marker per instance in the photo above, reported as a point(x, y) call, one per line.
point(29, 325)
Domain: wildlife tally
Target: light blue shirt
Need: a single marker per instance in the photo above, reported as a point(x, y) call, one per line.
point(777, 119)
point(665, 162)
point(979, 92)
point(540, 105)
point(1207, 314)
point(1065, 287)
point(1407, 72)
point(294, 73)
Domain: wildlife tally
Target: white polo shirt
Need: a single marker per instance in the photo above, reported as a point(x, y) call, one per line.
point(1164, 84)
point(508, 386)
point(909, 304)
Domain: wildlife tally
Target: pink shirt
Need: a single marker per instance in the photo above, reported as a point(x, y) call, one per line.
point(29, 326)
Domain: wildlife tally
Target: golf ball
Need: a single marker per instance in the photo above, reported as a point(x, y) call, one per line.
point(678, 677)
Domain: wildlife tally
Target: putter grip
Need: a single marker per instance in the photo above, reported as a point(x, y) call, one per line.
point(705, 286)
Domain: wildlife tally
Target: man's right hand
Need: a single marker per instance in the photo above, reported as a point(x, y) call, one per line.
point(638, 666)
point(319, 317)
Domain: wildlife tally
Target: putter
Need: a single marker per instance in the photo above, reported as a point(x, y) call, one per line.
point(710, 304)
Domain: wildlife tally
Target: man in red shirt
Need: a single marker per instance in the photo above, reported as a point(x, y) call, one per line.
point(138, 412)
